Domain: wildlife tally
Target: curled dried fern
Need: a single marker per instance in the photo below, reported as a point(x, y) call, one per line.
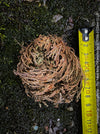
point(50, 70)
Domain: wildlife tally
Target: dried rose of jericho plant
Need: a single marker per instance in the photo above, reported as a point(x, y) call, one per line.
point(50, 71)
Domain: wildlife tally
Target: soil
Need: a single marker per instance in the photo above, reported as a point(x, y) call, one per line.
point(21, 22)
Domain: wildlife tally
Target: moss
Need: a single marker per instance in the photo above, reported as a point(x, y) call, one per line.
point(24, 21)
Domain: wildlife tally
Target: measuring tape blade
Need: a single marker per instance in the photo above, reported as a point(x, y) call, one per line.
point(88, 93)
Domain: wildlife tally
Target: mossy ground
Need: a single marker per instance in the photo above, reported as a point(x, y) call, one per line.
point(24, 21)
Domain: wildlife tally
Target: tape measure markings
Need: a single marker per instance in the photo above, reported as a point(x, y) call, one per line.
point(88, 93)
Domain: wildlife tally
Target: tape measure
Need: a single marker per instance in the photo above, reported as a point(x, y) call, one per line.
point(88, 93)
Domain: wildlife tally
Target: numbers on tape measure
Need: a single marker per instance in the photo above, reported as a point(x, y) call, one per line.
point(88, 94)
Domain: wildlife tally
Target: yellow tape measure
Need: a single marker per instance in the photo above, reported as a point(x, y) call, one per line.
point(88, 93)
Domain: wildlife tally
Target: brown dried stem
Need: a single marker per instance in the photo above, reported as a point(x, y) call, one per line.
point(50, 70)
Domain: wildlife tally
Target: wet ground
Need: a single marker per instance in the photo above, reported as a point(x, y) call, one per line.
point(21, 22)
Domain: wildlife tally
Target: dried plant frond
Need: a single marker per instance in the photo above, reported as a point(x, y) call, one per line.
point(50, 70)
